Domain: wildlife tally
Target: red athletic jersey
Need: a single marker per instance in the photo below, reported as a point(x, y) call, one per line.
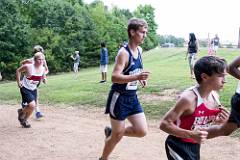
point(201, 118)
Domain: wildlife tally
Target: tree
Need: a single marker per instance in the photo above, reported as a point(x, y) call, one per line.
point(147, 12)
point(178, 42)
point(62, 27)
point(13, 37)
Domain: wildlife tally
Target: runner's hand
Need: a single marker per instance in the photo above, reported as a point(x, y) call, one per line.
point(143, 75)
point(199, 136)
point(222, 116)
point(45, 80)
point(20, 85)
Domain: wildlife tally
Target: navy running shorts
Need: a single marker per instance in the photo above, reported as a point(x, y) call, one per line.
point(235, 109)
point(122, 105)
point(180, 150)
point(28, 95)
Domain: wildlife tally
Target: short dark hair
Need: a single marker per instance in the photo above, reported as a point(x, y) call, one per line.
point(103, 44)
point(209, 65)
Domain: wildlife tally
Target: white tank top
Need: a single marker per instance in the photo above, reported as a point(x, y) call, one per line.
point(30, 82)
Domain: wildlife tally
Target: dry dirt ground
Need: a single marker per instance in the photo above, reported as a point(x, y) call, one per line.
point(76, 133)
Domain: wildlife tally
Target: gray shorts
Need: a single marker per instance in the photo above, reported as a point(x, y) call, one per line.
point(192, 59)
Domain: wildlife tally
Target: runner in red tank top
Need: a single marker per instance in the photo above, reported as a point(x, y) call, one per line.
point(197, 108)
point(233, 122)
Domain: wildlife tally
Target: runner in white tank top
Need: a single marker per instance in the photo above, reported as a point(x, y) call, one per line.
point(36, 49)
point(30, 82)
point(28, 87)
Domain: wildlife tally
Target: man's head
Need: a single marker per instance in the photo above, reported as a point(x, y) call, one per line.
point(103, 44)
point(134, 24)
point(38, 48)
point(209, 65)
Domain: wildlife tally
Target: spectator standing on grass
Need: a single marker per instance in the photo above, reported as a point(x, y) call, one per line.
point(192, 52)
point(215, 44)
point(103, 62)
point(76, 61)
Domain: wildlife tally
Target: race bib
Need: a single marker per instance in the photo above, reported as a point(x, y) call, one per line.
point(132, 85)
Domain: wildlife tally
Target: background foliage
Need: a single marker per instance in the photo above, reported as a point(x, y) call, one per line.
point(61, 27)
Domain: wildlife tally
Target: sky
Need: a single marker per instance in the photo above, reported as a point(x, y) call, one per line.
point(180, 17)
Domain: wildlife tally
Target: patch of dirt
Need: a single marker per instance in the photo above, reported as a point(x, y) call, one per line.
point(166, 95)
point(76, 133)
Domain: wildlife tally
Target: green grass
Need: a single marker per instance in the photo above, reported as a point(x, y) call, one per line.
point(168, 67)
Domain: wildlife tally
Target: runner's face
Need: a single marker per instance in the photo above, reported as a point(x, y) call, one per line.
point(140, 34)
point(39, 60)
point(218, 80)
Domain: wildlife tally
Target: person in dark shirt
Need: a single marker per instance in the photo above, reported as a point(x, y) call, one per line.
point(192, 52)
point(103, 62)
point(215, 43)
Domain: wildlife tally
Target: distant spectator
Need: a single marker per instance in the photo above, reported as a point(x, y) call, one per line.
point(76, 61)
point(192, 52)
point(103, 62)
point(210, 47)
point(215, 43)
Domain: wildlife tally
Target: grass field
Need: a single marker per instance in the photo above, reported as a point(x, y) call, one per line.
point(169, 71)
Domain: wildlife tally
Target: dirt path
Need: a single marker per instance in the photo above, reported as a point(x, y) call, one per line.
point(77, 134)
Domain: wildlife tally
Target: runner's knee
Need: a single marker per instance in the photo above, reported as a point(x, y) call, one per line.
point(141, 132)
point(117, 136)
point(32, 105)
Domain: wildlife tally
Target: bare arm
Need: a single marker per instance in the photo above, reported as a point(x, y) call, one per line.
point(233, 68)
point(26, 61)
point(221, 130)
point(18, 74)
point(183, 106)
point(120, 64)
point(46, 67)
